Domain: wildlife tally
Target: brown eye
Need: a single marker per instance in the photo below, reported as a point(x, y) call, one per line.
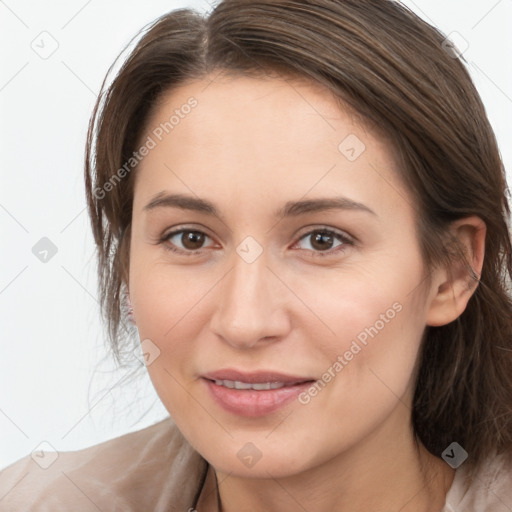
point(185, 241)
point(322, 241)
point(192, 240)
point(325, 241)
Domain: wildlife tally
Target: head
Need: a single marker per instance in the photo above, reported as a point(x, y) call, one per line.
point(398, 313)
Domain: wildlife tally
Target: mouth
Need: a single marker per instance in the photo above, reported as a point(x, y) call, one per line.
point(254, 394)
point(258, 386)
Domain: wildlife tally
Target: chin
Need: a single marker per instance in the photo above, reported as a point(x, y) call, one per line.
point(247, 459)
point(275, 466)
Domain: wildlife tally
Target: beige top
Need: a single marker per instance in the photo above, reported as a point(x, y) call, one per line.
point(155, 469)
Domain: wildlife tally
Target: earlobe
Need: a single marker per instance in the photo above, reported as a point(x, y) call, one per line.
point(131, 317)
point(455, 285)
point(128, 308)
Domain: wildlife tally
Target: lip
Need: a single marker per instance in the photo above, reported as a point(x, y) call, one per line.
point(253, 403)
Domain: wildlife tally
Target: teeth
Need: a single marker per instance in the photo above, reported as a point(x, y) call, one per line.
point(258, 386)
point(262, 386)
point(242, 385)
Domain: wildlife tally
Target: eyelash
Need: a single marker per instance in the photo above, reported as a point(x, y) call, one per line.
point(336, 234)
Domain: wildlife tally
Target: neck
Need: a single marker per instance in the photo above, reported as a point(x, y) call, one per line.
point(386, 471)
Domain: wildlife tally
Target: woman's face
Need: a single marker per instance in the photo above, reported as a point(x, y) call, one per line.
point(272, 237)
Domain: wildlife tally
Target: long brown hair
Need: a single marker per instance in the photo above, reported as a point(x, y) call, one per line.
point(400, 76)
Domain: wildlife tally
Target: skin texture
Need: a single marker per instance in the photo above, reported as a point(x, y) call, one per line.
point(249, 146)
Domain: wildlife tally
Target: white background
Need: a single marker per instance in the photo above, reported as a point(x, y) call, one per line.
point(56, 384)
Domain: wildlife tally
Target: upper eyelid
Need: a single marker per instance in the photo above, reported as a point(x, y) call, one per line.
point(335, 231)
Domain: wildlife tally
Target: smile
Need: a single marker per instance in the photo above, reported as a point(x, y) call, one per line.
point(258, 386)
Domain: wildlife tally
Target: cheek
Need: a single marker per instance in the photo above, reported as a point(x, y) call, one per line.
point(166, 298)
point(373, 329)
point(367, 366)
point(168, 304)
point(363, 308)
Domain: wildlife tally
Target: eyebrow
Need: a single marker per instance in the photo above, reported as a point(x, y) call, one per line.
point(290, 208)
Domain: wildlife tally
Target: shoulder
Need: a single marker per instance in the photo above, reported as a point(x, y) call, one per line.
point(490, 489)
point(152, 469)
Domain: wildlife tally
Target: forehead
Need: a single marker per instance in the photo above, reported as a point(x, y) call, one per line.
point(276, 135)
point(269, 101)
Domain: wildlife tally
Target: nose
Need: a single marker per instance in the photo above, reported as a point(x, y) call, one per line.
point(251, 305)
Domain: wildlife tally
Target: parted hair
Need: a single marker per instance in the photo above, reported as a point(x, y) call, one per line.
point(405, 80)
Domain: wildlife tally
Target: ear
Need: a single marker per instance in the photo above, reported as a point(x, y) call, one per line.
point(129, 313)
point(454, 286)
